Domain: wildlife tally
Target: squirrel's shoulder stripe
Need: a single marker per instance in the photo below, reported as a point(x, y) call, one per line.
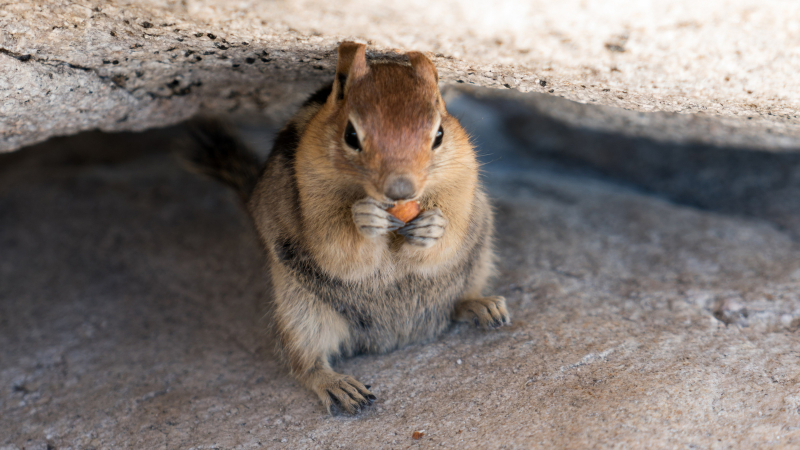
point(286, 145)
point(319, 97)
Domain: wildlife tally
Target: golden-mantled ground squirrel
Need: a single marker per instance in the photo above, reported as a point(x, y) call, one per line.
point(347, 276)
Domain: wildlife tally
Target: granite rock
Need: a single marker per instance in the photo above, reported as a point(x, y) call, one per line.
point(719, 72)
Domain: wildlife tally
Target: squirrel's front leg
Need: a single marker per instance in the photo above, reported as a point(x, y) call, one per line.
point(372, 219)
point(426, 229)
point(311, 332)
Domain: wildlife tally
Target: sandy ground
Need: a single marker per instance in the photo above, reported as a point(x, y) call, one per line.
point(654, 287)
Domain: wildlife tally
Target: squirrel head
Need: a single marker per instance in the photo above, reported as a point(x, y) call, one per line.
point(390, 121)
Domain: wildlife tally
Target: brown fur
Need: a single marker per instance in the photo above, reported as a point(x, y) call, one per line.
point(346, 280)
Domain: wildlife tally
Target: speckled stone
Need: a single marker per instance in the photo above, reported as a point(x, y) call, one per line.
point(720, 72)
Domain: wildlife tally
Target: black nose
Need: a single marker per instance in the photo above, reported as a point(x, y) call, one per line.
point(399, 188)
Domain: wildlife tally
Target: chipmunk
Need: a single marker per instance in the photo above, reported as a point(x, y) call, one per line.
point(347, 276)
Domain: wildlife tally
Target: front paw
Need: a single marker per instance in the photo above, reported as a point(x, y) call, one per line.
point(342, 393)
point(371, 218)
point(426, 229)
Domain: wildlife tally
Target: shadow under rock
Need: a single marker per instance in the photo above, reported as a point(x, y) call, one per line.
point(734, 181)
point(99, 231)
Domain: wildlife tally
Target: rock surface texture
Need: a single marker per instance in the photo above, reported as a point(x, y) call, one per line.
point(719, 71)
point(650, 310)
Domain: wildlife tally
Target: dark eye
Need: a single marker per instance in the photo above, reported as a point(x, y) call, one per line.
point(437, 141)
point(351, 137)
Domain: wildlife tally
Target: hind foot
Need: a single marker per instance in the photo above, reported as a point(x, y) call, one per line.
point(486, 312)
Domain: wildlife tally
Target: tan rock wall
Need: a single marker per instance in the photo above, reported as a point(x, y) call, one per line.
point(131, 65)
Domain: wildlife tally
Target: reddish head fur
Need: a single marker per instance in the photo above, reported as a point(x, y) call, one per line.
point(395, 109)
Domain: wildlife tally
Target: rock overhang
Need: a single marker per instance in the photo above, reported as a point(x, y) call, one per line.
point(719, 73)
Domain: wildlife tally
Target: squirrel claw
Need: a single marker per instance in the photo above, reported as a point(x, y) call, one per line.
point(343, 394)
point(425, 229)
point(372, 219)
point(486, 312)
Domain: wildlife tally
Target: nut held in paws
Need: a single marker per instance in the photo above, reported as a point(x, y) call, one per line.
point(406, 211)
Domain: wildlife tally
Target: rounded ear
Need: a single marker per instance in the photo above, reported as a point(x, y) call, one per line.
point(351, 65)
point(424, 68)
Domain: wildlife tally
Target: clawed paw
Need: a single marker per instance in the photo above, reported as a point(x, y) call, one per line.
point(343, 393)
point(426, 229)
point(372, 219)
point(486, 312)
